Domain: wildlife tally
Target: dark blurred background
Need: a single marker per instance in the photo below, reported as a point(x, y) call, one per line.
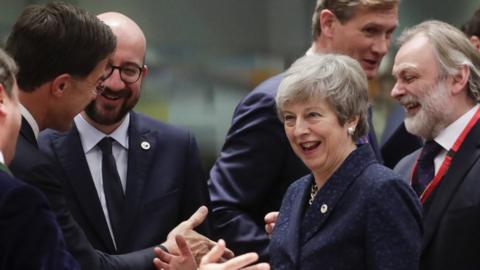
point(205, 55)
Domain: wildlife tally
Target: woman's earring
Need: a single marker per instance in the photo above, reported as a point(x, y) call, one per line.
point(350, 130)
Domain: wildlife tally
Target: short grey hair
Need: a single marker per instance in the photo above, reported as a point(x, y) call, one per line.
point(337, 78)
point(452, 50)
point(8, 71)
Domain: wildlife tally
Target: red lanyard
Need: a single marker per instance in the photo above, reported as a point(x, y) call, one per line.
point(448, 159)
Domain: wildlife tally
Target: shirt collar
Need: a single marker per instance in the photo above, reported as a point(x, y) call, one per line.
point(449, 135)
point(2, 159)
point(90, 136)
point(30, 120)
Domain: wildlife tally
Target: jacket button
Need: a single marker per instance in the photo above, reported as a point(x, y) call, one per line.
point(324, 208)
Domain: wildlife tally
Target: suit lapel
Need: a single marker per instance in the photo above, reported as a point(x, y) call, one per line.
point(71, 156)
point(27, 132)
point(463, 160)
point(142, 145)
point(333, 190)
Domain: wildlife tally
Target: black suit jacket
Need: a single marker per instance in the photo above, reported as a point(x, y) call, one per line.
point(452, 213)
point(35, 168)
point(165, 184)
point(254, 170)
point(29, 234)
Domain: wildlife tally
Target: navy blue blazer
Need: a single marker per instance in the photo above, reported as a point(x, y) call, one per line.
point(364, 217)
point(29, 234)
point(165, 184)
point(452, 212)
point(254, 169)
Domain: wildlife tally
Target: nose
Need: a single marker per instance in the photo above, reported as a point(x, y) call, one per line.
point(397, 91)
point(114, 82)
point(301, 127)
point(381, 45)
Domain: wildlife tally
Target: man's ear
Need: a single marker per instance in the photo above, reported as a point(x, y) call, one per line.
point(3, 97)
point(460, 80)
point(327, 22)
point(144, 71)
point(59, 84)
point(475, 41)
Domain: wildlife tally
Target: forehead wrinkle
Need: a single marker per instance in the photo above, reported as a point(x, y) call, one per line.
point(402, 67)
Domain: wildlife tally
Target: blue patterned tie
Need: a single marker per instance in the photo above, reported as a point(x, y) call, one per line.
point(112, 186)
point(425, 170)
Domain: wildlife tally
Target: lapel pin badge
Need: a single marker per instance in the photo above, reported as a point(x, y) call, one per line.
point(323, 208)
point(145, 145)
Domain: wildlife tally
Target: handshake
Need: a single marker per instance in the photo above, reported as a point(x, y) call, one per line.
point(189, 250)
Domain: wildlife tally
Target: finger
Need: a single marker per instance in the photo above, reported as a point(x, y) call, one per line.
point(197, 218)
point(269, 228)
point(183, 246)
point(214, 254)
point(228, 254)
point(259, 266)
point(160, 265)
point(162, 255)
point(271, 217)
point(241, 261)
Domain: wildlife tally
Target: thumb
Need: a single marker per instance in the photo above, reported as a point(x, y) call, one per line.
point(198, 217)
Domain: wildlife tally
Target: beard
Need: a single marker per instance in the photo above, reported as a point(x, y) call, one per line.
point(433, 114)
point(108, 115)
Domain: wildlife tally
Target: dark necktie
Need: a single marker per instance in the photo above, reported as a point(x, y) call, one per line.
point(112, 186)
point(425, 170)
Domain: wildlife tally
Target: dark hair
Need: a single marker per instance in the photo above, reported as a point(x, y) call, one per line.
point(56, 38)
point(8, 69)
point(472, 26)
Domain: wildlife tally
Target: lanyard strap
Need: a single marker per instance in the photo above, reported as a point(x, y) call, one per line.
point(448, 159)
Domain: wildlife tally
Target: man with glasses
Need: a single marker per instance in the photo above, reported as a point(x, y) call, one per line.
point(62, 53)
point(155, 179)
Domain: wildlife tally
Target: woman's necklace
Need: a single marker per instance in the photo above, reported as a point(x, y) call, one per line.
point(313, 193)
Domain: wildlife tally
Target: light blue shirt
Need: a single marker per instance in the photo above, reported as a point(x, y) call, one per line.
point(90, 137)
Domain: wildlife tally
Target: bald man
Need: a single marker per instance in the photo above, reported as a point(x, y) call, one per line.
point(151, 180)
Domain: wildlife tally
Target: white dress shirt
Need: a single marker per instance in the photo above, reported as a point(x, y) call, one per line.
point(90, 137)
point(449, 135)
point(2, 159)
point(31, 121)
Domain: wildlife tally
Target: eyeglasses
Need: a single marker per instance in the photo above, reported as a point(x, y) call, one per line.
point(128, 73)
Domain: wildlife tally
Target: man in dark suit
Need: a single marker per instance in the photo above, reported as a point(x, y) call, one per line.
point(62, 53)
point(396, 141)
point(30, 237)
point(471, 28)
point(162, 181)
point(256, 164)
point(438, 83)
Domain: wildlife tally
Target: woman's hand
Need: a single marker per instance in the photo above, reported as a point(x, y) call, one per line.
point(209, 261)
point(270, 220)
point(186, 261)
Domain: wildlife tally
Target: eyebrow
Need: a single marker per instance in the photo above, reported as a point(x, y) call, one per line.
point(402, 68)
point(381, 26)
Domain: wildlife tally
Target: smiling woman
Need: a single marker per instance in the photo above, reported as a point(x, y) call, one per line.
point(350, 212)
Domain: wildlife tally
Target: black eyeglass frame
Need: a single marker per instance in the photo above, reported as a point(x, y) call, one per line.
point(121, 71)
